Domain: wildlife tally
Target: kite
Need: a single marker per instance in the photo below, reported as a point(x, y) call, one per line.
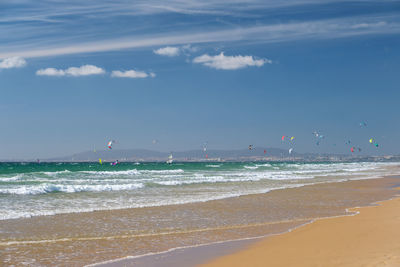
point(290, 150)
point(205, 147)
point(354, 148)
point(291, 138)
point(250, 147)
point(100, 161)
point(372, 142)
point(318, 136)
point(363, 124)
point(110, 144)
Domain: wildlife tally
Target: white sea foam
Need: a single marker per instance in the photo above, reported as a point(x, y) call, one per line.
point(264, 165)
point(213, 166)
point(50, 188)
point(208, 179)
point(163, 171)
point(250, 167)
point(113, 173)
point(133, 172)
point(12, 178)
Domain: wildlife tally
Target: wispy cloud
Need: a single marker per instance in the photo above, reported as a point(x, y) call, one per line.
point(132, 74)
point(53, 11)
point(12, 62)
point(222, 62)
point(273, 33)
point(369, 25)
point(84, 70)
point(169, 51)
point(58, 10)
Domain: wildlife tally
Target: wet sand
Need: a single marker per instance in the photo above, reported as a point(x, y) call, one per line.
point(68, 239)
point(370, 238)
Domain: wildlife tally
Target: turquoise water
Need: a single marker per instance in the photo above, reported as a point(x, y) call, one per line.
point(32, 189)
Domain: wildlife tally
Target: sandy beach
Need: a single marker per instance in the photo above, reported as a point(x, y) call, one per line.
point(370, 238)
point(230, 253)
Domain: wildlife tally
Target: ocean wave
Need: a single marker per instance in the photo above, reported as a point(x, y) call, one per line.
point(207, 179)
point(34, 176)
point(14, 214)
point(250, 167)
point(213, 166)
point(12, 178)
point(113, 173)
point(163, 171)
point(56, 172)
point(264, 165)
point(52, 188)
point(133, 172)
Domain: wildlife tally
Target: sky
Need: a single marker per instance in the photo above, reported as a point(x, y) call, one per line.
point(75, 74)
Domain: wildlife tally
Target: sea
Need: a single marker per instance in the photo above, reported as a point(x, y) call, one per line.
point(36, 189)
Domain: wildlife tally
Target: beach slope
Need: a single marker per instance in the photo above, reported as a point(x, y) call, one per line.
point(370, 238)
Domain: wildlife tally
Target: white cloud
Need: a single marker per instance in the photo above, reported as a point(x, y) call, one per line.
point(223, 62)
point(131, 74)
point(172, 51)
point(169, 51)
point(84, 70)
point(50, 72)
point(12, 62)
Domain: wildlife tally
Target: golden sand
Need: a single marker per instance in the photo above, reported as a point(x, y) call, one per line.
point(370, 238)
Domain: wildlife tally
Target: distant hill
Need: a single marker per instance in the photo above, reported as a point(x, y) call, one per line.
point(256, 154)
point(199, 155)
point(149, 155)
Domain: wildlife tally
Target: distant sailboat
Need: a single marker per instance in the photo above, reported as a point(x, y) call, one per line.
point(170, 159)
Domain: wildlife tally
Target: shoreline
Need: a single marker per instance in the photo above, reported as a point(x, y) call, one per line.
point(180, 255)
point(221, 245)
point(204, 254)
point(307, 245)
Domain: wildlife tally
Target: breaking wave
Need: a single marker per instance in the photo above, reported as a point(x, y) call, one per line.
point(52, 188)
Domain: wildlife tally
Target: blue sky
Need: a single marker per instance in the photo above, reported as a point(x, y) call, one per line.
point(75, 74)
